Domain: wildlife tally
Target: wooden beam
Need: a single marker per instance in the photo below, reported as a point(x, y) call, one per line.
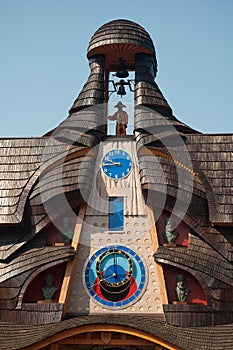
point(78, 227)
point(155, 245)
point(70, 265)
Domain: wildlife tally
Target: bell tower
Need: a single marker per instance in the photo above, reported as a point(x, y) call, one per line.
point(114, 267)
point(122, 62)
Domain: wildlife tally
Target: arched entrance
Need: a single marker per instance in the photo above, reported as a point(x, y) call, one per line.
point(102, 337)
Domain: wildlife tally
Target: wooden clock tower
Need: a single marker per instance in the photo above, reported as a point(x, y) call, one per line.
point(115, 228)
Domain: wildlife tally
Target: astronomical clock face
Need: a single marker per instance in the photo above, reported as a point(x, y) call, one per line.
point(115, 276)
point(116, 164)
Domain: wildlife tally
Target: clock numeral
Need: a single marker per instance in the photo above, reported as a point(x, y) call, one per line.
point(127, 170)
point(123, 174)
point(106, 158)
point(105, 170)
point(128, 157)
point(110, 174)
point(130, 164)
point(117, 151)
point(116, 176)
point(110, 154)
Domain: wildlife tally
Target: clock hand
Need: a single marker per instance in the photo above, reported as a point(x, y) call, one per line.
point(107, 278)
point(115, 267)
point(98, 280)
point(112, 163)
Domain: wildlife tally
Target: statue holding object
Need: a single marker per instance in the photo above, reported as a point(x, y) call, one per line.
point(181, 288)
point(169, 235)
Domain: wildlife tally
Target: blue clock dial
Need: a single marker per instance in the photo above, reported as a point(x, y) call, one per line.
point(115, 276)
point(116, 164)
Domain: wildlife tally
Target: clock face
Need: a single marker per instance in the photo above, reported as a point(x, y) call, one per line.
point(115, 276)
point(116, 164)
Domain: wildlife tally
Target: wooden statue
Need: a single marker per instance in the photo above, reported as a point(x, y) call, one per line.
point(121, 118)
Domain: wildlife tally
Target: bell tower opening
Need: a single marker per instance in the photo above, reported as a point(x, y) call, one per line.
point(120, 106)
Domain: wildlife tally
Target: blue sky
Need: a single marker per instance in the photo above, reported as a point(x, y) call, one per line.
point(43, 58)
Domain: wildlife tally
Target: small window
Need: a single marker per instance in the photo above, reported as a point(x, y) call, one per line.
point(116, 214)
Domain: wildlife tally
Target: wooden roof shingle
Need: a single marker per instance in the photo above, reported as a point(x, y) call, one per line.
point(213, 156)
point(205, 338)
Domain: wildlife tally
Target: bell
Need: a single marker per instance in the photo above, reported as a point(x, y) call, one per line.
point(123, 73)
point(121, 90)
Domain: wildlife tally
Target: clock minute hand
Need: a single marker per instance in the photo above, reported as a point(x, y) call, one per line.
point(112, 163)
point(115, 267)
point(116, 163)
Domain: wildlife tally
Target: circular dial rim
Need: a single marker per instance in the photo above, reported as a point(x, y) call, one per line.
point(91, 281)
point(118, 161)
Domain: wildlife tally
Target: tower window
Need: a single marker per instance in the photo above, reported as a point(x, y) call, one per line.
point(116, 214)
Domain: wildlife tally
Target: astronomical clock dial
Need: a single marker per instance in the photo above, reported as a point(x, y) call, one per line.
point(116, 164)
point(115, 276)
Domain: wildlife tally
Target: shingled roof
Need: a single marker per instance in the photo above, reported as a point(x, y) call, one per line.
point(213, 157)
point(35, 172)
point(204, 338)
point(128, 34)
point(22, 162)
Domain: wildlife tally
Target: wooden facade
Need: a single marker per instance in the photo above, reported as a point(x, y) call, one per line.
point(177, 173)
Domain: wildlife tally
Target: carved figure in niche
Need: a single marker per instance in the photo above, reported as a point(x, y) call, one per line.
point(121, 118)
point(66, 232)
point(169, 234)
point(181, 288)
point(48, 290)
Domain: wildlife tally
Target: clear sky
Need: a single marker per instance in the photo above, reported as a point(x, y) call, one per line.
point(43, 46)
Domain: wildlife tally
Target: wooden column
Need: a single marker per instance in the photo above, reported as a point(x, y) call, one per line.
point(70, 265)
point(155, 244)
